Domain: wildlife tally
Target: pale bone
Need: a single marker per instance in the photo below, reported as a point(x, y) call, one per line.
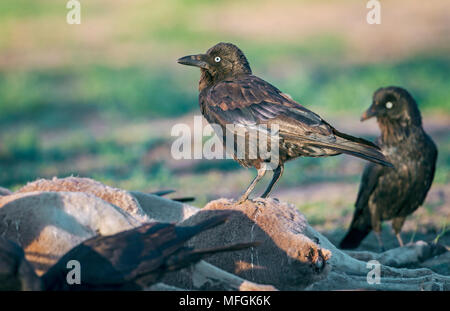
point(204, 272)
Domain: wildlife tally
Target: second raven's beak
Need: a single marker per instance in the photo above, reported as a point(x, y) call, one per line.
point(194, 60)
point(369, 113)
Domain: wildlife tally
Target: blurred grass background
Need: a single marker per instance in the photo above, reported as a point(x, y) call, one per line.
point(99, 99)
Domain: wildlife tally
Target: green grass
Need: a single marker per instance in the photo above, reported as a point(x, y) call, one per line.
point(160, 92)
point(22, 9)
point(344, 89)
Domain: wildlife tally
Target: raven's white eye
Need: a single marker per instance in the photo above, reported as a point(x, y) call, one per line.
point(389, 105)
point(217, 59)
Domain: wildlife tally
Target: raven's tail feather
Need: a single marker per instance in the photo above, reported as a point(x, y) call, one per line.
point(162, 193)
point(353, 238)
point(188, 256)
point(344, 143)
point(359, 229)
point(355, 146)
point(361, 151)
point(361, 148)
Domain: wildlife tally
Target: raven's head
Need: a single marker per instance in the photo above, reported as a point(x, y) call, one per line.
point(393, 104)
point(222, 61)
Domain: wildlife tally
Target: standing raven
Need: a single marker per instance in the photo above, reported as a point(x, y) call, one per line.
point(231, 95)
point(384, 193)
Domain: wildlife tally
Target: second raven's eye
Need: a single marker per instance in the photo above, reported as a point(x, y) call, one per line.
point(217, 59)
point(389, 105)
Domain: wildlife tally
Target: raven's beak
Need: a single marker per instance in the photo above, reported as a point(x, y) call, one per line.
point(194, 60)
point(369, 113)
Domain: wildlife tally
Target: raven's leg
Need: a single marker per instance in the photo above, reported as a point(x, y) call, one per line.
point(400, 240)
point(397, 225)
point(276, 176)
point(375, 219)
point(261, 173)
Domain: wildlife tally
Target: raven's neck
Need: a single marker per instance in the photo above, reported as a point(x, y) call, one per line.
point(206, 80)
point(394, 132)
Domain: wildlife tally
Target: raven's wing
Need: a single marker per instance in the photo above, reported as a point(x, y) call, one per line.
point(250, 101)
point(369, 181)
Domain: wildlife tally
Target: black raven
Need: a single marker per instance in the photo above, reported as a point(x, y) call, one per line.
point(393, 193)
point(128, 260)
point(231, 95)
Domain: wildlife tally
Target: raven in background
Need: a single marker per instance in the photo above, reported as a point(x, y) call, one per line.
point(387, 193)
